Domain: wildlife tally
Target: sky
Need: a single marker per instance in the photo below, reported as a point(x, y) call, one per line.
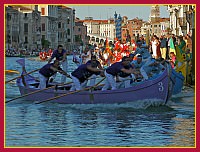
point(107, 11)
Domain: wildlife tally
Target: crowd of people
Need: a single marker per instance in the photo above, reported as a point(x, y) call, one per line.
point(15, 52)
point(121, 64)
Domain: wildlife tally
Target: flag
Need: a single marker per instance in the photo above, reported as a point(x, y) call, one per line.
point(181, 58)
point(171, 46)
point(179, 55)
point(21, 62)
point(180, 52)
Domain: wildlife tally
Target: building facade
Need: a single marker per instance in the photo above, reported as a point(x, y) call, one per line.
point(66, 23)
point(12, 22)
point(80, 32)
point(23, 27)
point(49, 23)
point(107, 29)
point(181, 18)
point(34, 27)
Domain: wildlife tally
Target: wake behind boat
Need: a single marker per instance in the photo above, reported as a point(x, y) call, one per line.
point(158, 89)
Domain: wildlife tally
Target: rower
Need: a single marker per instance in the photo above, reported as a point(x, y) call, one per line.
point(96, 64)
point(47, 71)
point(153, 67)
point(137, 65)
point(61, 55)
point(83, 72)
point(112, 71)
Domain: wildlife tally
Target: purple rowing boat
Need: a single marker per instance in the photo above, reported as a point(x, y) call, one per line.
point(158, 89)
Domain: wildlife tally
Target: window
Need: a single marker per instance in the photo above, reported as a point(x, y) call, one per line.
point(79, 29)
point(68, 40)
point(42, 11)
point(68, 20)
point(26, 39)
point(76, 38)
point(43, 37)
point(68, 31)
point(43, 26)
point(59, 25)
point(26, 27)
point(8, 17)
point(93, 39)
point(155, 25)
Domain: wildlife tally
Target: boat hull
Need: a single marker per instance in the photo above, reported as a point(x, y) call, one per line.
point(179, 82)
point(155, 89)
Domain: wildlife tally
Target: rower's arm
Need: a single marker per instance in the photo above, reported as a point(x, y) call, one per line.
point(50, 60)
point(100, 67)
point(128, 71)
point(64, 56)
point(89, 67)
point(54, 69)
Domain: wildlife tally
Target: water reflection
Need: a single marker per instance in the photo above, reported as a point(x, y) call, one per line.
point(65, 125)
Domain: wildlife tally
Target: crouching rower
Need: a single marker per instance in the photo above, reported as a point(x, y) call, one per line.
point(95, 64)
point(115, 70)
point(47, 71)
point(83, 72)
point(153, 67)
point(137, 65)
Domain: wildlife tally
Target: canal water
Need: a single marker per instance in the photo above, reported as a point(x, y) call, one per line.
point(125, 125)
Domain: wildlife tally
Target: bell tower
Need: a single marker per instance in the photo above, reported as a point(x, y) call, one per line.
point(155, 13)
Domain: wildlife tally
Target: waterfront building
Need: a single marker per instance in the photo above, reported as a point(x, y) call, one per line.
point(12, 21)
point(145, 28)
point(158, 26)
point(99, 30)
point(155, 13)
point(23, 27)
point(135, 26)
point(107, 29)
point(92, 25)
point(181, 17)
point(66, 24)
point(49, 23)
point(80, 33)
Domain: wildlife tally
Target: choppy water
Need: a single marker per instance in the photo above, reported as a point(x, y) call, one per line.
point(49, 124)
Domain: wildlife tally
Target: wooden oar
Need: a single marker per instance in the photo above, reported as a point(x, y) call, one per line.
point(23, 75)
point(70, 92)
point(36, 92)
